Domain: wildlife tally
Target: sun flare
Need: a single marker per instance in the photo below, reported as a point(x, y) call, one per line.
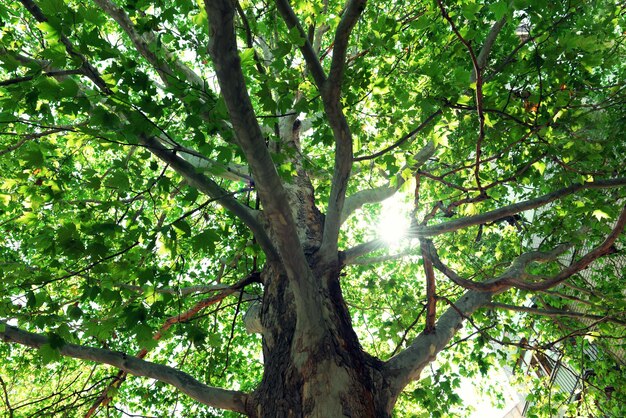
point(393, 221)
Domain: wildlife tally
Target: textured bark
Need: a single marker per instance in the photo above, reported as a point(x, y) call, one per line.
point(312, 374)
point(314, 365)
point(306, 377)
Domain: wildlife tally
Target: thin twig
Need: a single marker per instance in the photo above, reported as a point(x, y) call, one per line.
point(479, 91)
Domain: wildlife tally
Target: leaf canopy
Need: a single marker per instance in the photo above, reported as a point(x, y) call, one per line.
point(104, 240)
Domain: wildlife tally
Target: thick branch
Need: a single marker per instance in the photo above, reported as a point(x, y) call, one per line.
point(230, 171)
point(208, 186)
point(362, 197)
point(406, 366)
point(516, 275)
point(517, 270)
point(483, 55)
point(350, 255)
point(341, 131)
point(186, 316)
point(310, 57)
point(431, 296)
point(601, 250)
point(422, 231)
point(164, 67)
point(357, 200)
point(451, 226)
point(330, 89)
point(223, 50)
point(350, 16)
point(216, 397)
point(375, 260)
point(341, 175)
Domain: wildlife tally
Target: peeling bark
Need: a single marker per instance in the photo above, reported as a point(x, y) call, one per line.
point(306, 377)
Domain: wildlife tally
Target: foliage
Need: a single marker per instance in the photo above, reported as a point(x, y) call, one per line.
point(104, 239)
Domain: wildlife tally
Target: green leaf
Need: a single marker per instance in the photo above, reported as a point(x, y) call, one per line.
point(600, 214)
point(499, 9)
point(118, 180)
point(74, 312)
point(470, 10)
point(247, 57)
point(55, 341)
point(69, 88)
point(183, 227)
point(205, 241)
point(294, 37)
point(540, 166)
point(48, 354)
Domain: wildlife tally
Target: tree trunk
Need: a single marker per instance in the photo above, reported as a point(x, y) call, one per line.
point(312, 373)
point(312, 377)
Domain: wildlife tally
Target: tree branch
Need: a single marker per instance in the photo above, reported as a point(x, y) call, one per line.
point(207, 395)
point(56, 73)
point(231, 171)
point(601, 250)
point(482, 62)
point(7, 402)
point(310, 57)
point(444, 227)
point(223, 50)
point(206, 185)
point(30, 137)
point(341, 130)
point(201, 182)
point(351, 14)
point(483, 55)
point(402, 140)
point(186, 316)
point(350, 255)
point(431, 296)
point(341, 175)
point(425, 231)
point(168, 66)
point(477, 71)
point(165, 67)
point(375, 260)
point(87, 69)
point(407, 365)
point(378, 194)
point(516, 270)
point(330, 89)
point(516, 275)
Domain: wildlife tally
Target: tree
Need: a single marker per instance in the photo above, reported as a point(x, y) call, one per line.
point(170, 168)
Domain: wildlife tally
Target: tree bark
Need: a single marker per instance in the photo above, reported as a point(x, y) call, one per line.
point(307, 377)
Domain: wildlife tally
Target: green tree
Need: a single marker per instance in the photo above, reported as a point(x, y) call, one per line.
point(190, 193)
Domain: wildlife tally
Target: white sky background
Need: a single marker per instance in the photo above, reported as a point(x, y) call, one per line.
point(483, 407)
